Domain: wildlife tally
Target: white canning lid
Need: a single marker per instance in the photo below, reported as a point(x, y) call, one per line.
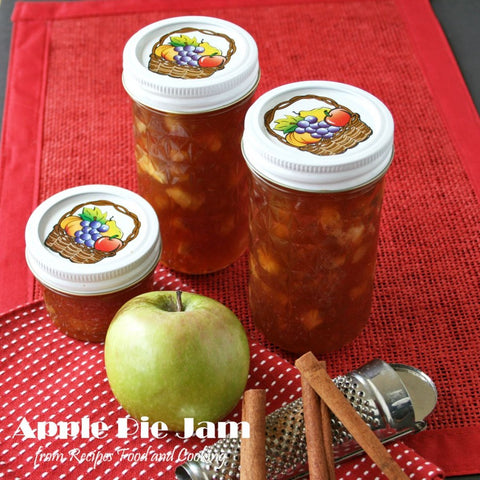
point(187, 90)
point(62, 266)
point(356, 153)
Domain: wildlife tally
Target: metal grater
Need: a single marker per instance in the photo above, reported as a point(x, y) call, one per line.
point(393, 399)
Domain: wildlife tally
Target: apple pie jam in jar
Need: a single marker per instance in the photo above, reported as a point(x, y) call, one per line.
point(318, 152)
point(92, 248)
point(191, 81)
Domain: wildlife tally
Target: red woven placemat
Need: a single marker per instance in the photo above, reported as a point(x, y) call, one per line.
point(67, 122)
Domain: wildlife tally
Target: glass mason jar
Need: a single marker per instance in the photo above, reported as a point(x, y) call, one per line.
point(318, 152)
point(191, 81)
point(92, 248)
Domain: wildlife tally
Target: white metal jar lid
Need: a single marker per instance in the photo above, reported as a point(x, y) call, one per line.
point(224, 64)
point(318, 136)
point(92, 239)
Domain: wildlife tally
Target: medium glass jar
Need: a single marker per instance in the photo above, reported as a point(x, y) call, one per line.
point(92, 248)
point(191, 81)
point(318, 152)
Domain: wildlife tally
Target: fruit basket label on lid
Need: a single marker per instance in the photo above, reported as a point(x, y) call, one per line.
point(316, 124)
point(191, 53)
point(92, 231)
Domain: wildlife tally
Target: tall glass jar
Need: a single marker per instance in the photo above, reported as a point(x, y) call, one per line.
point(191, 81)
point(318, 152)
point(92, 248)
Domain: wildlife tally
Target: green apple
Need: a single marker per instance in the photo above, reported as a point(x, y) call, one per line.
point(172, 355)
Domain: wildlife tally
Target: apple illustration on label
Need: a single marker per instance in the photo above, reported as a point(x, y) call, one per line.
point(211, 61)
point(108, 244)
point(175, 355)
point(338, 117)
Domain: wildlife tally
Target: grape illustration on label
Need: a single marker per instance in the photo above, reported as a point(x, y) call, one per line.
point(315, 124)
point(90, 232)
point(191, 53)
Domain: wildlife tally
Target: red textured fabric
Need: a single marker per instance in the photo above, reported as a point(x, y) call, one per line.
point(67, 122)
point(67, 383)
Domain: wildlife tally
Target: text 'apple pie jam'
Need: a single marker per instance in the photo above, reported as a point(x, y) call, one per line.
point(92, 248)
point(318, 152)
point(191, 81)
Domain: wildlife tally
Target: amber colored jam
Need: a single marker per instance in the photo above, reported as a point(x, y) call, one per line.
point(87, 317)
point(191, 169)
point(312, 262)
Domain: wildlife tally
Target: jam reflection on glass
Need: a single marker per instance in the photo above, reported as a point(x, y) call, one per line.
point(312, 263)
point(191, 169)
point(87, 317)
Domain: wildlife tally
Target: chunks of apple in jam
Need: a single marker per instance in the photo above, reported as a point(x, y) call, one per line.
point(191, 169)
point(312, 262)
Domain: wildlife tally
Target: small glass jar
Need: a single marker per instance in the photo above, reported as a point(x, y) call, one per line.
point(92, 248)
point(191, 81)
point(318, 152)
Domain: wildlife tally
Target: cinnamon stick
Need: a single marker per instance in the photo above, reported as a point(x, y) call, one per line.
point(319, 380)
point(327, 439)
point(252, 449)
point(318, 434)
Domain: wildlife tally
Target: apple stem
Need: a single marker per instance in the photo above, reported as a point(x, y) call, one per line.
point(179, 301)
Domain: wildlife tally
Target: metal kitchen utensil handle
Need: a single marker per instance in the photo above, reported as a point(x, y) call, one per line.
point(392, 399)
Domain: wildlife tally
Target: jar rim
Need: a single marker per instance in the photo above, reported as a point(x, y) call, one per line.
point(211, 110)
point(359, 186)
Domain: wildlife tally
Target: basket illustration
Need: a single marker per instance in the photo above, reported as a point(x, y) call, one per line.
point(328, 128)
point(84, 219)
point(200, 58)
